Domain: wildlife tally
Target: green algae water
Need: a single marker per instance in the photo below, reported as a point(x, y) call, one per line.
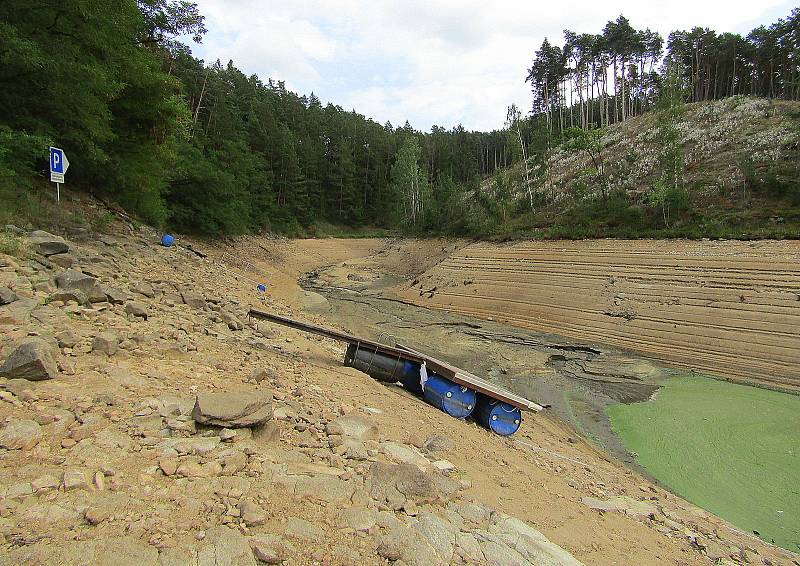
point(731, 449)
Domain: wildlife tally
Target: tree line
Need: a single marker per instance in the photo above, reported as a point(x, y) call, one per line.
point(203, 147)
point(599, 79)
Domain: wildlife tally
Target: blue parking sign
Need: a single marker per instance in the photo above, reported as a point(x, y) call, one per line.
point(58, 165)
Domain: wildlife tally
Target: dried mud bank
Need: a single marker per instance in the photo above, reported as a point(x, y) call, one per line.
point(145, 421)
point(728, 309)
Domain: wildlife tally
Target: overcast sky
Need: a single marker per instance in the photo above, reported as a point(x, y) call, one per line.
point(440, 62)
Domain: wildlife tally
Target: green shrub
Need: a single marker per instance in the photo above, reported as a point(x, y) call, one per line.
point(13, 246)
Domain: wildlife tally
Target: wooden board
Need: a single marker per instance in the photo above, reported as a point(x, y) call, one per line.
point(444, 369)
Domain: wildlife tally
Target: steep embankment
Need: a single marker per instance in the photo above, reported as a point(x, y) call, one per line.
point(730, 309)
point(735, 167)
point(116, 455)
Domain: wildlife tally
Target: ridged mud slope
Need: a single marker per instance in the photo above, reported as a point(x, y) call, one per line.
point(724, 308)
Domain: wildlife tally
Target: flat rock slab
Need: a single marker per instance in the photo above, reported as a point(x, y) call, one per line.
point(621, 504)
point(48, 244)
point(400, 483)
point(404, 454)
point(233, 410)
point(353, 426)
point(194, 300)
point(529, 542)
point(63, 260)
point(32, 359)
point(72, 279)
point(7, 296)
point(357, 518)
point(225, 546)
point(20, 435)
point(271, 549)
point(303, 530)
point(123, 551)
point(106, 342)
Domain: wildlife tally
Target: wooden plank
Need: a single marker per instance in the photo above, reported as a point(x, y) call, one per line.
point(333, 334)
point(444, 369)
point(472, 381)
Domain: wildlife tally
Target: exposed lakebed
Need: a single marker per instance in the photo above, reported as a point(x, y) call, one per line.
point(729, 448)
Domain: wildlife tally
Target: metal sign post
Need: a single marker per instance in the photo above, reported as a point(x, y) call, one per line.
point(58, 168)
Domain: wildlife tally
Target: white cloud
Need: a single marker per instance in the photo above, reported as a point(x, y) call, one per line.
point(432, 62)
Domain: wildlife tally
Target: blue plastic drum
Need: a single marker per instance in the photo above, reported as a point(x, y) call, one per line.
point(410, 377)
point(167, 240)
point(455, 400)
point(497, 416)
point(262, 288)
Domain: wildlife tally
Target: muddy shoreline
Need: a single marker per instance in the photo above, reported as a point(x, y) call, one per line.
point(579, 381)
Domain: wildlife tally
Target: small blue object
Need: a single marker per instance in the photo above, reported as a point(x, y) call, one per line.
point(455, 400)
point(167, 240)
point(262, 287)
point(497, 416)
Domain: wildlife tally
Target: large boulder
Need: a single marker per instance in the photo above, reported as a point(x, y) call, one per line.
point(233, 410)
point(72, 279)
point(32, 359)
point(48, 244)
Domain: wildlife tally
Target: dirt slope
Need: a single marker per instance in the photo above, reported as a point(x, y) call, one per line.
point(730, 309)
point(107, 462)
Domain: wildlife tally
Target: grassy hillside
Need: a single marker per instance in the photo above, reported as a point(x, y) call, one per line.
point(740, 179)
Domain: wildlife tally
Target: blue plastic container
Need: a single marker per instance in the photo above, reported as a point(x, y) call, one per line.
point(167, 240)
point(262, 287)
point(497, 416)
point(455, 400)
point(410, 377)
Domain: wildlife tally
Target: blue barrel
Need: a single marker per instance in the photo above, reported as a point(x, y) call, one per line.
point(455, 400)
point(410, 377)
point(167, 240)
point(262, 287)
point(497, 416)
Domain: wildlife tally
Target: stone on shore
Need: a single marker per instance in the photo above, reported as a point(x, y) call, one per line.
point(233, 410)
point(48, 244)
point(20, 435)
point(32, 359)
